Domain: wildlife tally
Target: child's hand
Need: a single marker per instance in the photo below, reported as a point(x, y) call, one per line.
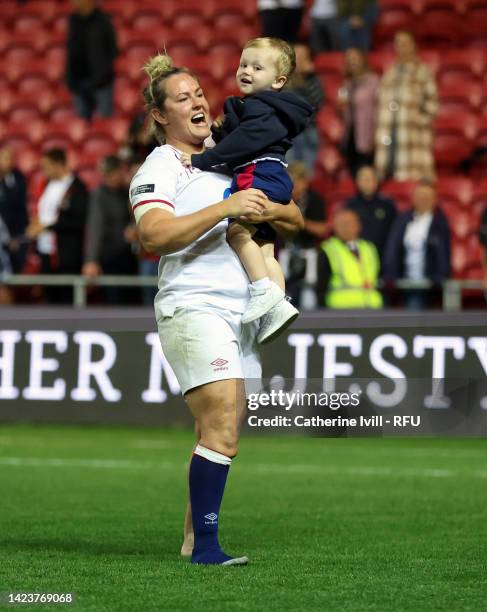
point(218, 122)
point(186, 159)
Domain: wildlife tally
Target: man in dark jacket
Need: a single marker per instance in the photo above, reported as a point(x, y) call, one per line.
point(91, 51)
point(108, 250)
point(60, 223)
point(13, 207)
point(376, 211)
point(418, 247)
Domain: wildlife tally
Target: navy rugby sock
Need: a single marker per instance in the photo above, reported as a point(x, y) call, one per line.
point(207, 477)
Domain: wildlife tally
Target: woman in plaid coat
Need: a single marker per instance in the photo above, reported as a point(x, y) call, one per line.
point(408, 102)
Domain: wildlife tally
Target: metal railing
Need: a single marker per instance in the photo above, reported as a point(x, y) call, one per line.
point(452, 289)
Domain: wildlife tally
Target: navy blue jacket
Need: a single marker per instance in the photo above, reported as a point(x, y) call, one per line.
point(376, 214)
point(257, 126)
point(437, 265)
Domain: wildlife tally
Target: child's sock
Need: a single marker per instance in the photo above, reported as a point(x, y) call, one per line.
point(263, 283)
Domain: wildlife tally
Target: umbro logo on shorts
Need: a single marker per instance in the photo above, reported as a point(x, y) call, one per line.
point(220, 363)
point(212, 517)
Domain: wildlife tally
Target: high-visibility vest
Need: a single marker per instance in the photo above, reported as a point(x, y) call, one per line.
point(353, 280)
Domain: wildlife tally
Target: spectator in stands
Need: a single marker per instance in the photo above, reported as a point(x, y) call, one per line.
point(148, 264)
point(303, 246)
point(348, 267)
point(107, 249)
point(91, 52)
point(305, 83)
point(281, 18)
point(357, 100)
point(324, 26)
point(13, 208)
point(408, 102)
point(483, 242)
point(418, 247)
point(375, 210)
point(357, 18)
point(139, 142)
point(60, 222)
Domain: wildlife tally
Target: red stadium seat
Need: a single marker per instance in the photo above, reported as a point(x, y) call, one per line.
point(123, 12)
point(454, 138)
point(113, 127)
point(29, 22)
point(460, 259)
point(99, 145)
point(128, 101)
point(329, 125)
point(75, 131)
point(455, 189)
point(228, 44)
point(193, 14)
point(8, 100)
point(146, 20)
point(394, 16)
point(459, 66)
point(474, 30)
point(330, 66)
point(481, 139)
point(31, 133)
point(453, 7)
point(438, 29)
point(380, 61)
point(28, 160)
point(461, 98)
point(401, 192)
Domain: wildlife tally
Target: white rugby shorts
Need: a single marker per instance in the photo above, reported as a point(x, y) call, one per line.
point(204, 343)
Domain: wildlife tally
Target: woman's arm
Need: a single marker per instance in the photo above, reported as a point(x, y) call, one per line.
point(287, 219)
point(162, 233)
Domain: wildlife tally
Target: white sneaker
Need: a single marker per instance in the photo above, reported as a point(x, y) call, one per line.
point(276, 321)
point(261, 301)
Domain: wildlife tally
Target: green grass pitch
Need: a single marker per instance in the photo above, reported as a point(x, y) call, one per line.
point(329, 524)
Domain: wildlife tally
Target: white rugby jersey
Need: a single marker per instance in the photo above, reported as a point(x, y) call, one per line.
point(208, 270)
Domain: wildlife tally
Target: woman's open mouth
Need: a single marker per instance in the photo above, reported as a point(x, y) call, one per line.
point(199, 119)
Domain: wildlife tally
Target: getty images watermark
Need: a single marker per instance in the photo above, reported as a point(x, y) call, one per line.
point(424, 407)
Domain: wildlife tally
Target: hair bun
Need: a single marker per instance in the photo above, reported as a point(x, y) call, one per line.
point(158, 66)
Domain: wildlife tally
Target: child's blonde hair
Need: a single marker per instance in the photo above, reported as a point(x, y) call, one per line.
point(286, 60)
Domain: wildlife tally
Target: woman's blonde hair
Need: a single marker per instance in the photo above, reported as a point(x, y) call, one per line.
point(286, 60)
point(159, 68)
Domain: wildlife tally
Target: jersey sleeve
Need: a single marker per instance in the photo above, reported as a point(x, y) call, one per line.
point(154, 186)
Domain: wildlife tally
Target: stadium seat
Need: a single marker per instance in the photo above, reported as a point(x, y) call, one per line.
point(112, 127)
point(460, 258)
point(481, 139)
point(461, 98)
point(329, 125)
point(123, 12)
point(458, 190)
point(380, 61)
point(228, 44)
point(401, 193)
point(147, 20)
point(99, 144)
point(438, 29)
point(28, 160)
point(193, 14)
point(75, 130)
point(452, 7)
point(29, 22)
point(394, 16)
point(330, 66)
point(454, 138)
point(460, 66)
point(30, 134)
point(8, 100)
point(475, 28)
point(128, 102)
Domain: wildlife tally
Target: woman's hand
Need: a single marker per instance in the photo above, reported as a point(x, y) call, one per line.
point(249, 202)
point(186, 160)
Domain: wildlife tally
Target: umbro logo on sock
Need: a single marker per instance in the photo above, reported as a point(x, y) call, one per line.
point(212, 518)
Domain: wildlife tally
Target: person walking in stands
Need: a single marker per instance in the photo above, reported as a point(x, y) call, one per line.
point(348, 267)
point(60, 222)
point(408, 102)
point(91, 52)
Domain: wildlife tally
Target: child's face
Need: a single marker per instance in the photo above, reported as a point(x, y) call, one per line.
point(258, 71)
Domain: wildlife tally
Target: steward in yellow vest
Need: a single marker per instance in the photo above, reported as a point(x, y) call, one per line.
point(354, 274)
